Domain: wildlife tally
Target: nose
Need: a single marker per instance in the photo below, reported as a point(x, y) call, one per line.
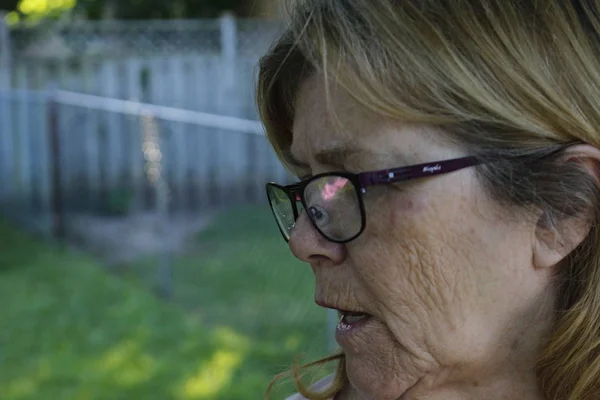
point(308, 245)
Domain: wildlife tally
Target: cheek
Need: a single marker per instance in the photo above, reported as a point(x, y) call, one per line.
point(414, 255)
point(402, 208)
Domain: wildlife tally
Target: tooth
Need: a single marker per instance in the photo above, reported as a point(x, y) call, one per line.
point(354, 318)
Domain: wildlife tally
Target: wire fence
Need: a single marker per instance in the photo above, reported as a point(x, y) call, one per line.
point(201, 65)
point(113, 37)
point(78, 96)
point(72, 153)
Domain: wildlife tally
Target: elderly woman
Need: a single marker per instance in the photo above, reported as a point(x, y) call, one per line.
point(448, 201)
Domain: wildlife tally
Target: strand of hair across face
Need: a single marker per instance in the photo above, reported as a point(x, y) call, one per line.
point(299, 371)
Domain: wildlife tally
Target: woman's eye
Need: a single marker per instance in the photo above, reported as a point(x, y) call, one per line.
point(319, 215)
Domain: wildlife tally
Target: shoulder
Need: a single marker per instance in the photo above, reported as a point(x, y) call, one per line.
point(321, 385)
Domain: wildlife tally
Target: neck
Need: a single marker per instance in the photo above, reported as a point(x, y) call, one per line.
point(507, 388)
point(508, 372)
point(504, 388)
point(516, 384)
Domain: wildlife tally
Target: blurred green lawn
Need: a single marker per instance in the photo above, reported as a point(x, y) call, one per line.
point(242, 311)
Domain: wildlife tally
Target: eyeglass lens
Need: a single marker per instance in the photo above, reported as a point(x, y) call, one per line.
point(283, 211)
point(332, 204)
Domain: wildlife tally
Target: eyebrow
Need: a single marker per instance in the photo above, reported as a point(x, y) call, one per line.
point(294, 161)
point(337, 156)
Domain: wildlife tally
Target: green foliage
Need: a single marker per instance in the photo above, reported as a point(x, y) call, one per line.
point(243, 310)
point(136, 9)
point(8, 5)
point(35, 10)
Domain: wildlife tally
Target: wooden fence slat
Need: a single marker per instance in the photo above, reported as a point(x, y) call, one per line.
point(157, 96)
point(179, 160)
point(201, 100)
point(111, 131)
point(65, 124)
point(41, 152)
point(7, 148)
point(167, 133)
point(134, 67)
point(190, 135)
point(22, 134)
point(91, 139)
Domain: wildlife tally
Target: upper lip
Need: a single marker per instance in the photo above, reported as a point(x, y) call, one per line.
point(337, 307)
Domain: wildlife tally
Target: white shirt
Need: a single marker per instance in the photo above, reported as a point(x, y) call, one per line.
point(320, 386)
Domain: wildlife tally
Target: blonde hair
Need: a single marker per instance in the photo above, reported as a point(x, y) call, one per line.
point(510, 81)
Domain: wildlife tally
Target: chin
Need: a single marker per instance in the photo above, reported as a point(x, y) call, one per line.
point(371, 379)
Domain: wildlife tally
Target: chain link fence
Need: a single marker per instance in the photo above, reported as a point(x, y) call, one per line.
point(126, 38)
point(203, 65)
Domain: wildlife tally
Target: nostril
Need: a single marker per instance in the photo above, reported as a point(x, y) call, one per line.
point(317, 261)
point(308, 245)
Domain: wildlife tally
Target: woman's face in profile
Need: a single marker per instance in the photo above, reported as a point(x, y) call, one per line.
point(447, 280)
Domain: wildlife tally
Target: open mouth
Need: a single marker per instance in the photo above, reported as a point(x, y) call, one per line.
point(347, 319)
point(352, 318)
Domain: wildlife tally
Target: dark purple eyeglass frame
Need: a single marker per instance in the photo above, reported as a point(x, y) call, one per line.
point(362, 180)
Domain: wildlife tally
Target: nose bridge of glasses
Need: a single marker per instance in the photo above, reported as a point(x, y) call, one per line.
point(294, 192)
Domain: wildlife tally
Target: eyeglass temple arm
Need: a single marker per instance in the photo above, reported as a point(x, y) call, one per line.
point(415, 171)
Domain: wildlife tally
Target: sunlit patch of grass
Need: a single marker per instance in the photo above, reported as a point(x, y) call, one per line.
point(244, 276)
point(243, 310)
point(213, 377)
point(127, 364)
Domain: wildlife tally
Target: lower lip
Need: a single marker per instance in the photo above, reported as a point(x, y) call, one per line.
point(345, 331)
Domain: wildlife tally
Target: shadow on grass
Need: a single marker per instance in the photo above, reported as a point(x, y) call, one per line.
point(68, 330)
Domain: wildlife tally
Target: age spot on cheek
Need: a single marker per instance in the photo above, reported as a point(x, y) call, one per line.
point(405, 207)
point(411, 205)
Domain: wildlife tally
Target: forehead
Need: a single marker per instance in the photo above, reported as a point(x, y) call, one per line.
point(327, 118)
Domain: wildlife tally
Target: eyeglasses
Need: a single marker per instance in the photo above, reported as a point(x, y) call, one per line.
point(334, 200)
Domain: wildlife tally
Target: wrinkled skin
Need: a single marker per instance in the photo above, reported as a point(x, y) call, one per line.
point(460, 308)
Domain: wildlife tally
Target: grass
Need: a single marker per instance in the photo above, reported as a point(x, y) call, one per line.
point(242, 311)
